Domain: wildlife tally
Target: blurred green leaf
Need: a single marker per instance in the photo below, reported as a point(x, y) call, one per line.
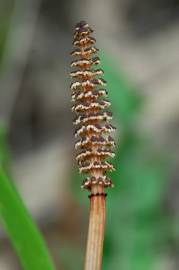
point(22, 231)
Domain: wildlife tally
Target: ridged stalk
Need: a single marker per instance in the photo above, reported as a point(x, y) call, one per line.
point(94, 249)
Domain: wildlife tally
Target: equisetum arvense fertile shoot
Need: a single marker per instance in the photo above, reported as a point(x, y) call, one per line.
point(94, 144)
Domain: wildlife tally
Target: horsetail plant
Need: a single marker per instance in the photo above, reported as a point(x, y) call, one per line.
point(94, 143)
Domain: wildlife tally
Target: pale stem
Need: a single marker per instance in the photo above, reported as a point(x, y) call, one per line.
point(94, 250)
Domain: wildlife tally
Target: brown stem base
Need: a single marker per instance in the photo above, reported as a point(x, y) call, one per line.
point(94, 251)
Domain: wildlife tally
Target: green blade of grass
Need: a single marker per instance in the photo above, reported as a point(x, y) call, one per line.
point(23, 233)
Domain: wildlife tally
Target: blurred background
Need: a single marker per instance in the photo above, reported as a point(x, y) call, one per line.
point(138, 41)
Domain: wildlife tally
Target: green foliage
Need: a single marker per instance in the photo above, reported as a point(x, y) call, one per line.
point(18, 223)
point(23, 233)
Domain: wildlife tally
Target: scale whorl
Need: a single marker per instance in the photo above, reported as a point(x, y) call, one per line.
point(95, 143)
